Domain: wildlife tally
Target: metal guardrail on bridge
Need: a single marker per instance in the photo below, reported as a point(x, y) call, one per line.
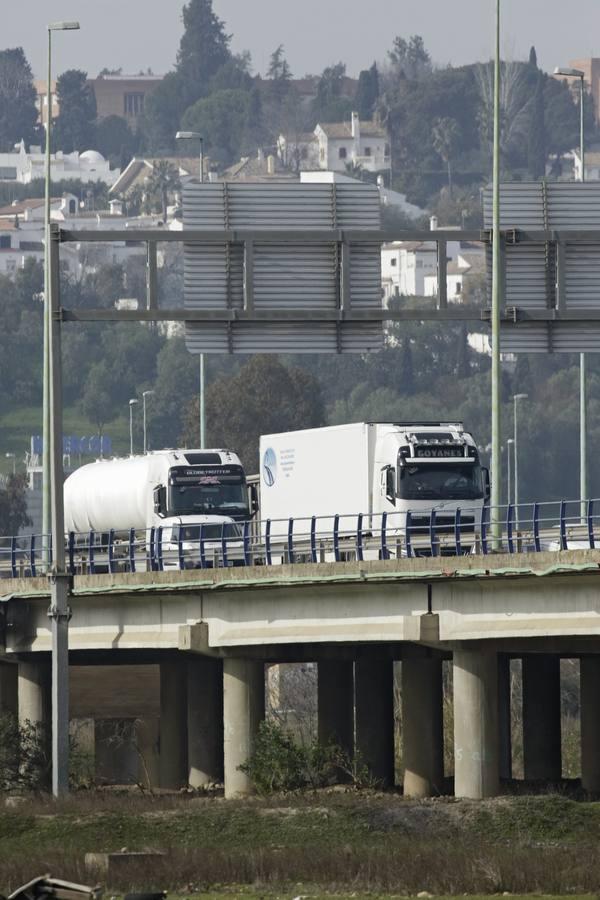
point(530, 528)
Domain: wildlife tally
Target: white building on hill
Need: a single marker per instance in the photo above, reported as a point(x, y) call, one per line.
point(335, 145)
point(24, 166)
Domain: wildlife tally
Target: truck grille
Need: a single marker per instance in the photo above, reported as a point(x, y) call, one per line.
point(419, 525)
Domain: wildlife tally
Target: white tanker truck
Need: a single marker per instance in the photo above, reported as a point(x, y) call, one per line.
point(188, 494)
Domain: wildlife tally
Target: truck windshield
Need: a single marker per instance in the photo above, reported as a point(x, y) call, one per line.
point(186, 499)
point(438, 482)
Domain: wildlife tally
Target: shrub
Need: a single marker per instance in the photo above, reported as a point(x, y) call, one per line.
point(24, 758)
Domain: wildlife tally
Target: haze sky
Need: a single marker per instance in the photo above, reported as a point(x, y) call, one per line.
point(138, 34)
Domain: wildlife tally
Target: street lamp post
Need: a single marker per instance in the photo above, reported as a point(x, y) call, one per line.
point(46, 509)
point(14, 462)
point(516, 398)
point(583, 468)
point(496, 492)
point(132, 403)
point(509, 451)
point(196, 136)
point(144, 395)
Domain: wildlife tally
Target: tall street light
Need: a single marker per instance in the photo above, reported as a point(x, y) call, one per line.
point(55, 26)
point(196, 136)
point(583, 473)
point(516, 398)
point(496, 492)
point(132, 403)
point(14, 461)
point(144, 395)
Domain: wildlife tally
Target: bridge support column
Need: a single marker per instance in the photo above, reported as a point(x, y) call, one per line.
point(590, 723)
point(422, 728)
point(335, 693)
point(8, 688)
point(173, 724)
point(541, 718)
point(475, 723)
point(374, 711)
point(243, 711)
point(34, 693)
point(504, 717)
point(205, 721)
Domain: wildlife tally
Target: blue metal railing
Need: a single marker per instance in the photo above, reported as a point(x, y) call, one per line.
point(530, 528)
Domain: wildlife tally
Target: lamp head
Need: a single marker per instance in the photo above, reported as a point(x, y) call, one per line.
point(567, 72)
point(64, 26)
point(147, 393)
point(520, 396)
point(133, 402)
point(188, 136)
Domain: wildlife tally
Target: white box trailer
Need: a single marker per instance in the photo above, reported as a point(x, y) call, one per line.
point(370, 468)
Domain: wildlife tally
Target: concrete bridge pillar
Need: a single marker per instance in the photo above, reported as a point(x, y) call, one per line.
point(590, 723)
point(541, 717)
point(243, 711)
point(475, 723)
point(374, 711)
point(504, 717)
point(335, 693)
point(34, 693)
point(205, 721)
point(422, 727)
point(8, 688)
point(173, 724)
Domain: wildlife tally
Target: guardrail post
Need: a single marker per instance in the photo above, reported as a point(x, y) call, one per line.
point(336, 537)
point(91, 553)
point(457, 541)
point(152, 548)
point(563, 526)
point(290, 540)
point(32, 556)
point(384, 549)
point(111, 551)
point(268, 557)
point(132, 549)
point(590, 524)
point(484, 524)
point(359, 538)
point(13, 557)
point(71, 550)
point(159, 549)
point(180, 550)
point(202, 548)
point(313, 539)
point(247, 549)
point(409, 548)
point(224, 545)
point(536, 527)
point(432, 535)
point(509, 528)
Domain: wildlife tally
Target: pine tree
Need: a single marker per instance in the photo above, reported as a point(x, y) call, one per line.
point(533, 58)
point(536, 144)
point(75, 126)
point(367, 92)
point(18, 114)
point(204, 48)
point(279, 75)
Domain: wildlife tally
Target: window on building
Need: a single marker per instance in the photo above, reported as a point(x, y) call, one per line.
point(133, 104)
point(393, 261)
point(5, 241)
point(11, 265)
point(458, 288)
point(419, 264)
point(367, 151)
point(342, 153)
point(72, 207)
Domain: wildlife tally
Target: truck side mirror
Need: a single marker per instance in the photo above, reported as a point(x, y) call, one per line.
point(485, 473)
point(159, 494)
point(390, 484)
point(253, 499)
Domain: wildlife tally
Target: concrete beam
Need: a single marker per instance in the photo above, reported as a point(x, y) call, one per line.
point(475, 724)
point(243, 711)
point(205, 721)
point(542, 758)
point(335, 703)
point(173, 724)
point(374, 717)
point(422, 728)
point(590, 723)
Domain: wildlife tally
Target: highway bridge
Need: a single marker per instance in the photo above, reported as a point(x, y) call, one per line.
point(201, 639)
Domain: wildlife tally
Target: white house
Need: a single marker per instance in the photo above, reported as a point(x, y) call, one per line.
point(592, 165)
point(405, 266)
point(24, 166)
point(335, 145)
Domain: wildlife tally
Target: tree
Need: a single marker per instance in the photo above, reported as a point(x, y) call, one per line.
point(410, 59)
point(75, 125)
point(204, 48)
point(533, 58)
point(265, 396)
point(115, 140)
point(18, 112)
point(446, 140)
point(367, 92)
point(13, 505)
point(330, 105)
point(96, 403)
point(163, 181)
point(279, 74)
point(222, 119)
point(536, 143)
point(233, 75)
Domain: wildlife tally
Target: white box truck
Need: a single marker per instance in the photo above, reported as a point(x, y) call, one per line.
point(174, 490)
point(371, 468)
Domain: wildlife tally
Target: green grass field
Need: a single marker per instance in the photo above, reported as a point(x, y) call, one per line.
point(348, 845)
